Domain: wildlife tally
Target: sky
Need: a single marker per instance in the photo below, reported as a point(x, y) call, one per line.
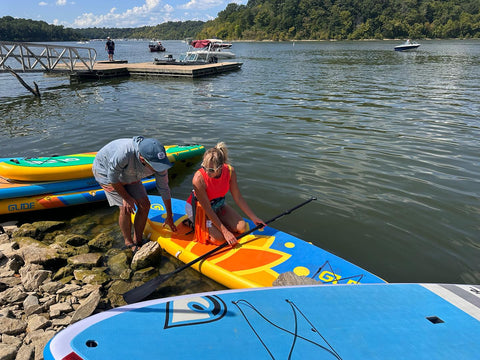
point(111, 13)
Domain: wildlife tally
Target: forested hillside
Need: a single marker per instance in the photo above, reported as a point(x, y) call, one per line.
point(289, 20)
point(166, 31)
point(346, 19)
point(29, 30)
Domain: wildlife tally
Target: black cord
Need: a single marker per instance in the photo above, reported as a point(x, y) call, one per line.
point(246, 303)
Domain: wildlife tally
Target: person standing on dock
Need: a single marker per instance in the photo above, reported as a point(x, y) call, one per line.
point(119, 168)
point(110, 48)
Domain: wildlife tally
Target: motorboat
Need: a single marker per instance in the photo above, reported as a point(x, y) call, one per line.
point(220, 44)
point(206, 51)
point(156, 46)
point(407, 45)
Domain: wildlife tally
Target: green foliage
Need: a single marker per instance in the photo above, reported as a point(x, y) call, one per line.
point(166, 31)
point(288, 20)
point(29, 30)
point(346, 19)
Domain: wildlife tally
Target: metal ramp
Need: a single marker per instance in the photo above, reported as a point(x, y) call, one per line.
point(33, 57)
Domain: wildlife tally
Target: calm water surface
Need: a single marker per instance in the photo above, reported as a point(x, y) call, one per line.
point(387, 141)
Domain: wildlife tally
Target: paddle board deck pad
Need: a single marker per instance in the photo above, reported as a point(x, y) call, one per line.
point(59, 199)
point(74, 166)
point(258, 260)
point(367, 321)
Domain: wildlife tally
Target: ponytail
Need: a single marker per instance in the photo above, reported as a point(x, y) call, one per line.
point(218, 155)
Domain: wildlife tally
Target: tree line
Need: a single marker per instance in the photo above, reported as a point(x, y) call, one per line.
point(346, 20)
point(288, 20)
point(25, 30)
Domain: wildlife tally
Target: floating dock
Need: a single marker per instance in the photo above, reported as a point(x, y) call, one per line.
point(114, 69)
point(80, 63)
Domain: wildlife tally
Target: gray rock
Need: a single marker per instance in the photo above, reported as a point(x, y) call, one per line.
point(29, 268)
point(9, 280)
point(86, 260)
point(4, 238)
point(9, 249)
point(87, 307)
point(86, 290)
point(15, 262)
point(101, 242)
point(60, 308)
point(40, 342)
point(120, 262)
point(39, 254)
point(47, 226)
point(7, 351)
point(71, 239)
point(12, 295)
point(96, 276)
point(37, 322)
point(51, 287)
point(290, 278)
point(145, 274)
point(63, 272)
point(31, 305)
point(149, 254)
point(11, 340)
point(26, 352)
point(68, 289)
point(32, 280)
point(25, 230)
point(12, 326)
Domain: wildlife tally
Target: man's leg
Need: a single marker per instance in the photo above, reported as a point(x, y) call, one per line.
point(125, 225)
point(139, 223)
point(137, 190)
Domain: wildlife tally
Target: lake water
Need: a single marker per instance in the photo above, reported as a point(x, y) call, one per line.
point(388, 142)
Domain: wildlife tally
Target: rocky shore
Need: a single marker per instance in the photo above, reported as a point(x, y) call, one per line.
point(51, 278)
point(53, 275)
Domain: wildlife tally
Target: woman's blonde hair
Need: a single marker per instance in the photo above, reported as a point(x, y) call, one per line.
point(217, 155)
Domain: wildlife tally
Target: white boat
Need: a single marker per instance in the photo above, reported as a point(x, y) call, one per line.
point(407, 45)
point(206, 51)
point(220, 44)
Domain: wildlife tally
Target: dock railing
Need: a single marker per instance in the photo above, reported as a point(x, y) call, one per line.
point(33, 57)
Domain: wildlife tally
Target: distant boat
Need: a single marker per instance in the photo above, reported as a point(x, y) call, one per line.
point(219, 44)
point(156, 46)
point(407, 45)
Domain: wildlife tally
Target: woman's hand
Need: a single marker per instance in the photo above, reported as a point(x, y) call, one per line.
point(257, 221)
point(229, 237)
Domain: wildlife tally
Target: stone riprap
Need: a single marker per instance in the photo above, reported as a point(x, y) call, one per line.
point(50, 278)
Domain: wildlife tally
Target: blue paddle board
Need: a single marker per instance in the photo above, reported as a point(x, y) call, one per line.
point(365, 321)
point(12, 188)
point(22, 187)
point(60, 199)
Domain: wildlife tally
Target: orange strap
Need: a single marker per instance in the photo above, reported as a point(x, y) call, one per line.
point(201, 231)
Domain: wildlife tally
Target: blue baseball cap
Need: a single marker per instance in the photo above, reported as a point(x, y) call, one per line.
point(154, 153)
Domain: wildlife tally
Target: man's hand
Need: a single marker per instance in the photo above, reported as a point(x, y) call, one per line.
point(170, 223)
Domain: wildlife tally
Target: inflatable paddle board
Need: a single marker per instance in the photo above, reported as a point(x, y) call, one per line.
point(12, 188)
point(52, 168)
point(258, 260)
point(357, 322)
point(59, 199)
point(75, 166)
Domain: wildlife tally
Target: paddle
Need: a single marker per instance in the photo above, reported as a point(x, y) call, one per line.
point(146, 289)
